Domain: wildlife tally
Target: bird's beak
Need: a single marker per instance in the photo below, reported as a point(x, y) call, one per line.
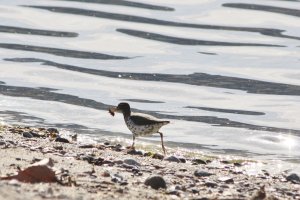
point(112, 110)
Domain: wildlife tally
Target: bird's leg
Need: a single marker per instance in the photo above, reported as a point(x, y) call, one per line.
point(162, 142)
point(133, 141)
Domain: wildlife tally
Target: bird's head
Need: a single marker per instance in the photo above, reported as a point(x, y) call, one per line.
point(121, 108)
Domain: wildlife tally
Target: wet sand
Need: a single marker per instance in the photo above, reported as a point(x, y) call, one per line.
point(111, 171)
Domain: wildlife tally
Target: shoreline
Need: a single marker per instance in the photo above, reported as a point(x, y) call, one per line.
point(107, 171)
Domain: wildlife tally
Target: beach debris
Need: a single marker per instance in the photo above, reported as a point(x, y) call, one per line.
point(156, 182)
point(294, 178)
point(201, 173)
point(38, 172)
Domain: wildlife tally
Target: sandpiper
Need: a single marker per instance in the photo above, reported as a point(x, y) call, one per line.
point(140, 124)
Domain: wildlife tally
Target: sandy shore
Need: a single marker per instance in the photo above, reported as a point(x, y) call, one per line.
point(110, 171)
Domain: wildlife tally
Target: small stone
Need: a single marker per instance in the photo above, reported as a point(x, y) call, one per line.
point(182, 159)
point(135, 152)
point(58, 147)
point(156, 182)
point(172, 159)
point(131, 162)
point(148, 154)
point(117, 178)
point(34, 134)
point(52, 130)
point(60, 139)
point(211, 184)
point(198, 161)
point(226, 179)
point(201, 173)
point(294, 178)
point(158, 156)
point(106, 173)
point(86, 146)
point(27, 135)
point(237, 164)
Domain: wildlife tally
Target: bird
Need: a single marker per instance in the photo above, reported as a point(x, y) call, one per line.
point(140, 124)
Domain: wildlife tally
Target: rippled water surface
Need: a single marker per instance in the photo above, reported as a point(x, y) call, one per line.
point(226, 73)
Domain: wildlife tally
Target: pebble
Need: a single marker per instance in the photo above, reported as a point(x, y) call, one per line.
point(172, 159)
point(117, 178)
point(198, 161)
point(294, 178)
point(158, 156)
point(211, 184)
point(201, 173)
point(60, 139)
point(226, 179)
point(135, 152)
point(156, 182)
point(52, 130)
point(27, 135)
point(131, 162)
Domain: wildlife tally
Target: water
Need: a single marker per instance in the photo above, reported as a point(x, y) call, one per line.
point(225, 73)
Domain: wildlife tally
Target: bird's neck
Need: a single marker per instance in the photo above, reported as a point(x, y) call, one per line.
point(126, 115)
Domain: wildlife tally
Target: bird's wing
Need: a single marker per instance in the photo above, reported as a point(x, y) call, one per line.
point(143, 119)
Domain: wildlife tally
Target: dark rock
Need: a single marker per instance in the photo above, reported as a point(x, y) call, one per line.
point(156, 182)
point(294, 178)
point(106, 143)
point(173, 192)
point(131, 162)
point(201, 173)
point(27, 135)
point(199, 161)
point(60, 139)
point(195, 191)
point(86, 146)
point(117, 178)
point(225, 161)
point(118, 162)
point(34, 134)
point(147, 154)
point(158, 156)
point(183, 160)
point(106, 173)
point(52, 130)
point(172, 159)
point(237, 164)
point(211, 184)
point(58, 147)
point(135, 152)
point(226, 179)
